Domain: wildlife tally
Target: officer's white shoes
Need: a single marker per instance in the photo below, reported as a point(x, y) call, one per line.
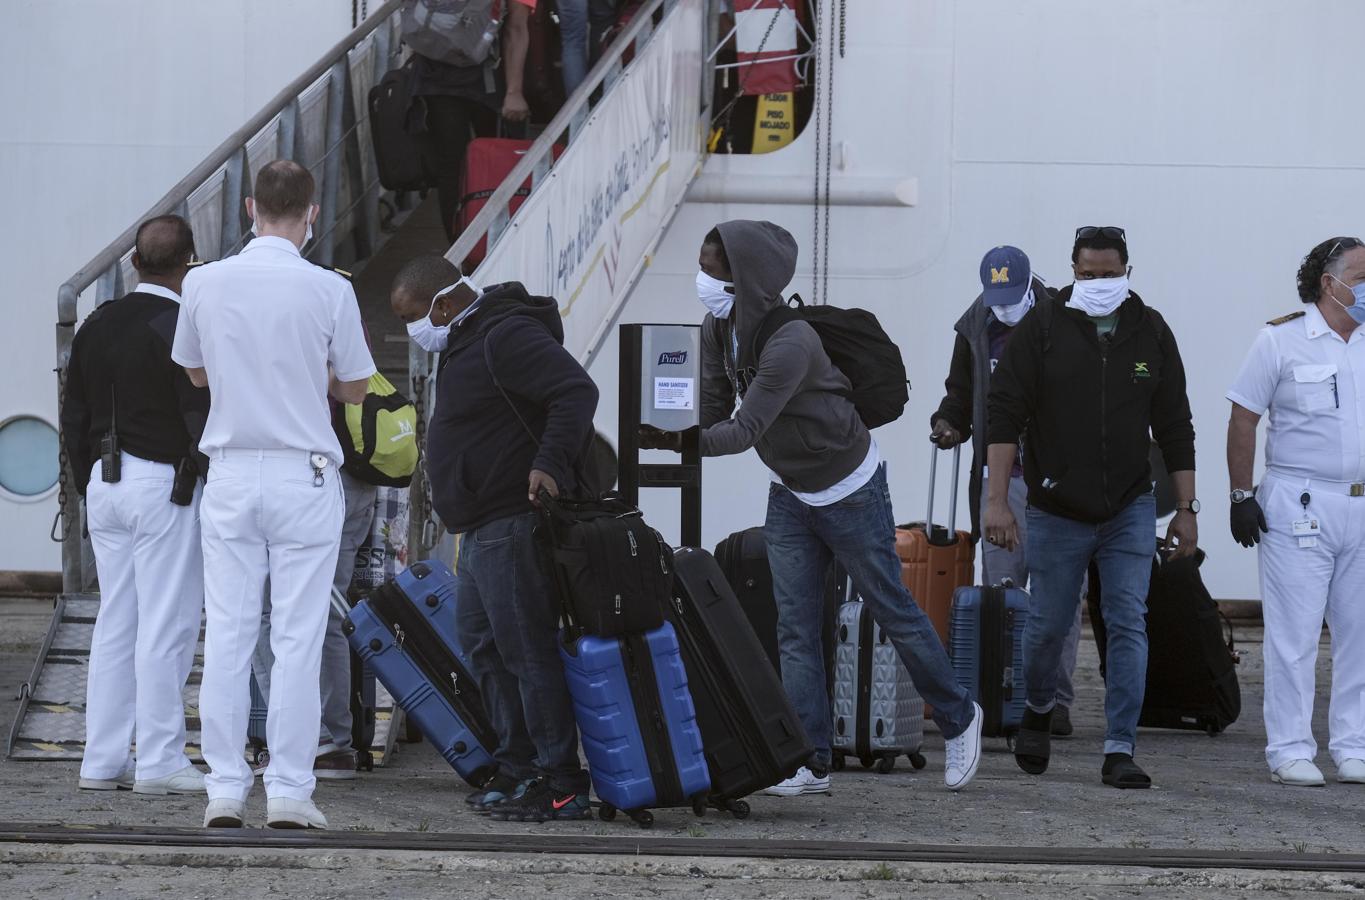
point(803, 782)
point(122, 782)
point(224, 813)
point(964, 753)
point(1351, 771)
point(283, 812)
point(1298, 773)
point(188, 780)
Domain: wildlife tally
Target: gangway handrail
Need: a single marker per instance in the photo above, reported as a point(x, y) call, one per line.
point(111, 255)
point(536, 163)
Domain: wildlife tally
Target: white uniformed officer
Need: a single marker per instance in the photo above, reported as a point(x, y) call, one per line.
point(1307, 369)
point(272, 334)
point(131, 418)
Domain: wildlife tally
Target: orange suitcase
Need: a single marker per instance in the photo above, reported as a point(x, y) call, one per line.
point(936, 561)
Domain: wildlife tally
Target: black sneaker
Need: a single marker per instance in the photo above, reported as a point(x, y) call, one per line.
point(496, 790)
point(540, 803)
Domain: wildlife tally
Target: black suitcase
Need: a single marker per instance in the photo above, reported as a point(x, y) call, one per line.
point(1191, 661)
point(396, 118)
point(752, 737)
point(743, 557)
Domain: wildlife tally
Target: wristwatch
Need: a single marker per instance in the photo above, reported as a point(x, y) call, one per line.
point(1238, 495)
point(1192, 506)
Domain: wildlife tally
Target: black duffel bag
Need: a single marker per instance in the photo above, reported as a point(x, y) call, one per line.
point(613, 572)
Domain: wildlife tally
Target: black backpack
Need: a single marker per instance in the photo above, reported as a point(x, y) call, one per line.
point(859, 347)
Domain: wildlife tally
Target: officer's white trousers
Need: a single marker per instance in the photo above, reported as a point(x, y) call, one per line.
point(1299, 585)
point(263, 516)
point(151, 598)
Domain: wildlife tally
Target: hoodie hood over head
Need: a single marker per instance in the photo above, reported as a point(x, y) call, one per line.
point(763, 261)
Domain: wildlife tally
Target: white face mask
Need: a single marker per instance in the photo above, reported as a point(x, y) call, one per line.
point(1013, 315)
point(714, 296)
point(1099, 296)
point(427, 334)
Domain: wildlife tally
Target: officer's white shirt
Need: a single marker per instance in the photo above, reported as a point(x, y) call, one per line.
point(1313, 384)
point(265, 324)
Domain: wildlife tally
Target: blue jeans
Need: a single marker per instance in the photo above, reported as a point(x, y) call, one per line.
point(507, 619)
point(1059, 551)
point(582, 25)
point(860, 532)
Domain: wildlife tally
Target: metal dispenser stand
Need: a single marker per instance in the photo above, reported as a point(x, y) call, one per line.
point(661, 386)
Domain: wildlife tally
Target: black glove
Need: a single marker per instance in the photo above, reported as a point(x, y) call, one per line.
point(1248, 522)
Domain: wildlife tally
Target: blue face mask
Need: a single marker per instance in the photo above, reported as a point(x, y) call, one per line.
point(1357, 310)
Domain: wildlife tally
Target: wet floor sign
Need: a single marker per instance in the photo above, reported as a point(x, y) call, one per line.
point(50, 723)
point(774, 122)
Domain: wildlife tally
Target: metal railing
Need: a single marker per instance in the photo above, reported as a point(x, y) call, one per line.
point(320, 120)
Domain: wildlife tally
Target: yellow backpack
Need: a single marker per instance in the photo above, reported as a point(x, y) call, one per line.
point(379, 436)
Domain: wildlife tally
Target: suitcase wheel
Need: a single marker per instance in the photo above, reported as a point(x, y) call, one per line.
point(606, 812)
point(836, 762)
point(642, 817)
point(739, 809)
point(886, 764)
point(867, 761)
point(917, 760)
point(699, 806)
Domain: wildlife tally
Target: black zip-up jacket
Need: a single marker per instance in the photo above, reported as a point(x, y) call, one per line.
point(479, 453)
point(1088, 408)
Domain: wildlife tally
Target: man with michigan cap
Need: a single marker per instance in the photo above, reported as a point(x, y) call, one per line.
point(1009, 290)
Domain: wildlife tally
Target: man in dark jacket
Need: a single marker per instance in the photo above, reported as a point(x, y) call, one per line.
point(829, 497)
point(1088, 380)
point(513, 417)
point(1008, 291)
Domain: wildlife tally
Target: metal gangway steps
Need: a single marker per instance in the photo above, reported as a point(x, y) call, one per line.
point(607, 174)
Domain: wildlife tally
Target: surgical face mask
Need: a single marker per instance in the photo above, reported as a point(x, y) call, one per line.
point(1013, 315)
point(714, 296)
point(427, 334)
point(1099, 296)
point(1357, 310)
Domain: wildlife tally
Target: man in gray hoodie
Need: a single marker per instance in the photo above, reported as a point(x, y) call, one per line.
point(829, 498)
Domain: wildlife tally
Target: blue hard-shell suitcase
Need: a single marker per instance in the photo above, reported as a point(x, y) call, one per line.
point(430, 585)
point(395, 633)
point(638, 722)
point(986, 642)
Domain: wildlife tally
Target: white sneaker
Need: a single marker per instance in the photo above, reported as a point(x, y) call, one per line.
point(123, 782)
point(224, 813)
point(964, 753)
point(283, 812)
point(803, 782)
point(1351, 771)
point(188, 780)
point(1298, 773)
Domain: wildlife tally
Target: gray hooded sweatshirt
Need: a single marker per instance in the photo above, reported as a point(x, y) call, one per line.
point(795, 407)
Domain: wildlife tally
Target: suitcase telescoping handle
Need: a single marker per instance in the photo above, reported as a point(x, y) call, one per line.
point(949, 535)
point(340, 603)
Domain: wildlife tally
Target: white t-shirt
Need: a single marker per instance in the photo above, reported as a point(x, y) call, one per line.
point(833, 494)
point(1313, 385)
point(265, 324)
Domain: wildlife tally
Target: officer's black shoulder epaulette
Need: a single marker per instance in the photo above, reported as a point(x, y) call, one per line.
point(1288, 318)
point(342, 272)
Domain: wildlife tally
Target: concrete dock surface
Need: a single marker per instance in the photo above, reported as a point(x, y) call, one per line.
point(1209, 794)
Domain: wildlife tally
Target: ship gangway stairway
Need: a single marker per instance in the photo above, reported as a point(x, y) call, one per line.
point(606, 176)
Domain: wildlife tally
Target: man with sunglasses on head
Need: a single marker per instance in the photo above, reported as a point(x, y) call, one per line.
point(1088, 381)
point(1306, 371)
point(513, 417)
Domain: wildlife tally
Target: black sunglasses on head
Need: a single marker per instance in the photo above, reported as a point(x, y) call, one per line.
point(1112, 232)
